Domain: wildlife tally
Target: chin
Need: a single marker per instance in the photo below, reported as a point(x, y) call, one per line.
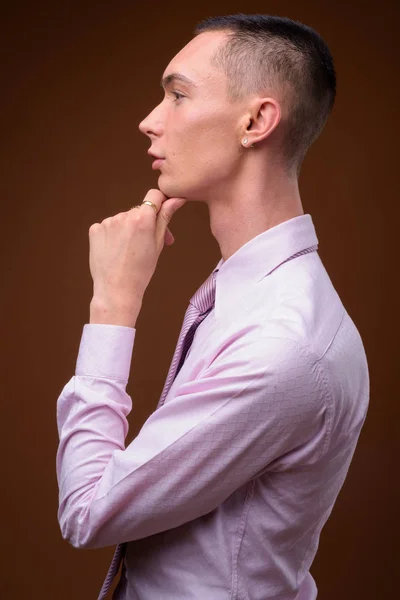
point(174, 189)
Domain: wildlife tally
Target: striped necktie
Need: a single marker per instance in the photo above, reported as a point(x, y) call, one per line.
point(199, 307)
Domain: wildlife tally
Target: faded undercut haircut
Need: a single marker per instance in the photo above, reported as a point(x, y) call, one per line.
point(265, 53)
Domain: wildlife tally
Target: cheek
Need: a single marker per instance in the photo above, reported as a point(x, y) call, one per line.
point(206, 138)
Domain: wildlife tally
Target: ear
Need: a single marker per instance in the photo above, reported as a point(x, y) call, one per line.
point(263, 119)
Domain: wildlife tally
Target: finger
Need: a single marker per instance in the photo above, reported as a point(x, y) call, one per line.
point(169, 238)
point(156, 197)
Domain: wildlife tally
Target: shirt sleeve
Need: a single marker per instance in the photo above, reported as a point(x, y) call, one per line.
point(260, 405)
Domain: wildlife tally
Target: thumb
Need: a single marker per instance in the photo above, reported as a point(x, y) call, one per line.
point(168, 209)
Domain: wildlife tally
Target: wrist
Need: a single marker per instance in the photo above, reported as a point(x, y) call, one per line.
point(114, 312)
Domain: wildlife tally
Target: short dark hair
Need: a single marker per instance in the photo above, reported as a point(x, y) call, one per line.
point(266, 52)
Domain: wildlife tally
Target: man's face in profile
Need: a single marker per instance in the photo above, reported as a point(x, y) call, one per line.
point(195, 129)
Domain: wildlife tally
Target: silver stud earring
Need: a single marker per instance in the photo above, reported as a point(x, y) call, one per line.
point(245, 141)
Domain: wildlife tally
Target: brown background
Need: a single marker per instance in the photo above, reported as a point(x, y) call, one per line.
point(76, 81)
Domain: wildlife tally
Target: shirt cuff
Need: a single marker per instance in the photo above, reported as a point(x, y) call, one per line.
point(105, 351)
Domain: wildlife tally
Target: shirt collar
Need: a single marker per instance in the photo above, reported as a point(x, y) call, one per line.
point(259, 256)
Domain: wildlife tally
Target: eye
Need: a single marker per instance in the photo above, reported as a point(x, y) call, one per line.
point(177, 95)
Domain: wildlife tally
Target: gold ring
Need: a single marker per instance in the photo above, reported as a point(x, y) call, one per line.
point(146, 202)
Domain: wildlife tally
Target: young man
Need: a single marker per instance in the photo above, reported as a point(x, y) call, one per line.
point(225, 490)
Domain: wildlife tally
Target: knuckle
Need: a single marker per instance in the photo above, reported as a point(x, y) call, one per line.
point(133, 215)
point(142, 224)
point(154, 192)
point(93, 228)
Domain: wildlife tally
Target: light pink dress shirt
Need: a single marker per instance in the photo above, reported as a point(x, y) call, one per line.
point(224, 491)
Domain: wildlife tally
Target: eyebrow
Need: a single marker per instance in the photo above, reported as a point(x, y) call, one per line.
point(168, 79)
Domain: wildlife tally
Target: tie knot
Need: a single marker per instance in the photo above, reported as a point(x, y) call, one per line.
point(204, 298)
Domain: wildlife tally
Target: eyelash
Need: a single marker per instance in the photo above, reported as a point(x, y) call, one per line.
point(178, 96)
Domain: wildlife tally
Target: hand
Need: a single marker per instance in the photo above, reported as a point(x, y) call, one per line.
point(124, 251)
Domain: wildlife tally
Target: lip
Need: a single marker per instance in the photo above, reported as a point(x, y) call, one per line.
point(153, 155)
point(157, 163)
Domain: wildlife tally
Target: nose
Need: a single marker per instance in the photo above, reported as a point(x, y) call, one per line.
point(152, 124)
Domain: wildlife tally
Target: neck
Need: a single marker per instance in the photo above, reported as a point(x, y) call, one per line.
point(251, 205)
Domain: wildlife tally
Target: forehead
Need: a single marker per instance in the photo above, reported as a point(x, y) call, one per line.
point(194, 60)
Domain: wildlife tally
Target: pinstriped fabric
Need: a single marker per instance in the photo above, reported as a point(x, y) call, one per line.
point(305, 251)
point(199, 307)
point(113, 570)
